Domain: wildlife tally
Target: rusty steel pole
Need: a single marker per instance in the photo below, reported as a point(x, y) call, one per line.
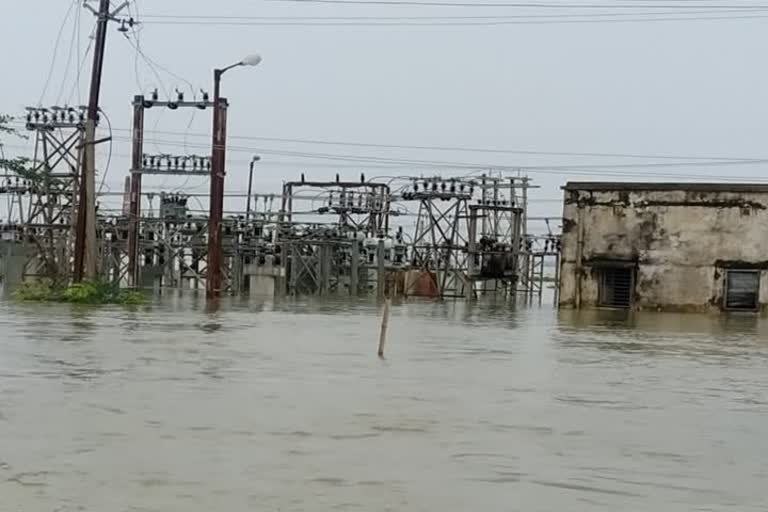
point(134, 211)
point(218, 157)
point(85, 231)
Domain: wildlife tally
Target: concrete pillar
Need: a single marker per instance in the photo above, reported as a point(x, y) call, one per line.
point(152, 277)
point(381, 287)
point(295, 266)
point(324, 268)
point(13, 258)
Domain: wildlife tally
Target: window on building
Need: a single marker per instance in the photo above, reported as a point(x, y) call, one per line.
point(616, 287)
point(742, 289)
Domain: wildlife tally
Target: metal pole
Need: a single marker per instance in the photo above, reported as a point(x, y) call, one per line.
point(250, 188)
point(85, 232)
point(213, 275)
point(134, 208)
point(471, 253)
point(250, 191)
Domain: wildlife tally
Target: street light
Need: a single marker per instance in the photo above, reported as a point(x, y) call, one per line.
point(255, 159)
point(251, 60)
point(218, 157)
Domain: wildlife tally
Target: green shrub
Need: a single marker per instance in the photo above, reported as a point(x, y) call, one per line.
point(89, 292)
point(35, 291)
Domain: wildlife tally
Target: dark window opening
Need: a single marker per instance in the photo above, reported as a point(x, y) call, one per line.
point(742, 289)
point(616, 287)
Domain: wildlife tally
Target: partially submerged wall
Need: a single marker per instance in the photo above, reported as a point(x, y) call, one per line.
point(680, 242)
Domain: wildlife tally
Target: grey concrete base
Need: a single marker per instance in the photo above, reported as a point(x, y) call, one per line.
point(263, 280)
point(13, 258)
point(152, 277)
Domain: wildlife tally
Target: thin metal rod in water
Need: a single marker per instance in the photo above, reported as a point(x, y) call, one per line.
point(384, 326)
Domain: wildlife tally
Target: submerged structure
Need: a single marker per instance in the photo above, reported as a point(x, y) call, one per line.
point(665, 246)
point(412, 235)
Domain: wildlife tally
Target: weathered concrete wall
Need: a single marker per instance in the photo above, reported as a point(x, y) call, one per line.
point(681, 242)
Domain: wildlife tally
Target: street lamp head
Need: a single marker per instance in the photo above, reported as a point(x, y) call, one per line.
point(251, 60)
point(256, 158)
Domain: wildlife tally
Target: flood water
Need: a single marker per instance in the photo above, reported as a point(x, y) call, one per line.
point(285, 407)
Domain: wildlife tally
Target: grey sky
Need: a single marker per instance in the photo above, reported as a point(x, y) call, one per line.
point(693, 88)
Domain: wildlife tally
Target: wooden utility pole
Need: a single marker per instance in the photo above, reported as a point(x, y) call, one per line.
point(85, 231)
point(134, 204)
point(218, 159)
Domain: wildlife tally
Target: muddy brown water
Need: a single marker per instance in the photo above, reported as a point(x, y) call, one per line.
point(285, 407)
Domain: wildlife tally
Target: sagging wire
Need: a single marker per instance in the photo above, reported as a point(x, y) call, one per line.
point(109, 157)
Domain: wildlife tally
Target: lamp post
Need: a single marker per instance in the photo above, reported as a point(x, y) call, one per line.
point(255, 159)
point(218, 156)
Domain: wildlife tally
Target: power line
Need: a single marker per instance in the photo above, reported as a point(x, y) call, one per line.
point(458, 149)
point(111, 145)
point(81, 67)
point(591, 20)
point(56, 51)
point(461, 149)
point(526, 5)
point(583, 169)
point(213, 18)
point(74, 40)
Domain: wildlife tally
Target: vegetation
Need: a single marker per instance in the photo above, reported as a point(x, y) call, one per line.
point(92, 292)
point(20, 166)
point(17, 165)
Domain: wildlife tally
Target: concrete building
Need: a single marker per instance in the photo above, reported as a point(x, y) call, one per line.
point(665, 246)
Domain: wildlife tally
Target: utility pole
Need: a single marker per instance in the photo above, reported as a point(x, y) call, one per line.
point(218, 159)
point(85, 231)
point(134, 208)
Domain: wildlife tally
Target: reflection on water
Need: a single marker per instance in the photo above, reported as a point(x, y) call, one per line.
point(285, 406)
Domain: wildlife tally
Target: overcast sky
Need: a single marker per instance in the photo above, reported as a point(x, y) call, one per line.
point(689, 88)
